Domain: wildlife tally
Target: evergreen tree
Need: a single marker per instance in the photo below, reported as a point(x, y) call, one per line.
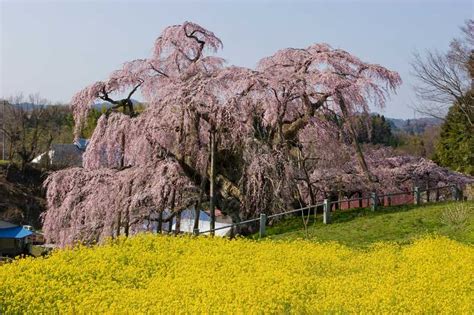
point(456, 145)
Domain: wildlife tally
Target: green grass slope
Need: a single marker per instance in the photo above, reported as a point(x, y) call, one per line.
point(400, 224)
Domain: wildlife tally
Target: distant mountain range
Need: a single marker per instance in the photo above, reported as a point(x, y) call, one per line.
point(28, 106)
point(413, 126)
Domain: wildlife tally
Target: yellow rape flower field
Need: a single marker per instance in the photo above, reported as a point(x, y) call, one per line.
point(159, 274)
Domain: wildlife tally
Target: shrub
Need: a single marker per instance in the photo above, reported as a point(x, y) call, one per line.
point(457, 214)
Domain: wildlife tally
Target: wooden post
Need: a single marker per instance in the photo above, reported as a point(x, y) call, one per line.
point(389, 200)
point(360, 200)
point(437, 194)
point(159, 227)
point(263, 222)
point(416, 196)
point(339, 200)
point(373, 197)
point(427, 192)
point(197, 214)
point(326, 212)
point(455, 193)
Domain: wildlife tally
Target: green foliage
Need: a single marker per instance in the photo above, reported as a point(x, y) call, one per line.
point(456, 145)
point(362, 227)
point(91, 122)
point(378, 131)
point(422, 144)
point(94, 115)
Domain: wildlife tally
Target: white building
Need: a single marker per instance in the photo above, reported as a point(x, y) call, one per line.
point(187, 222)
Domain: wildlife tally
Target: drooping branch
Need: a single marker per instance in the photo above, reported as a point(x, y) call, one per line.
point(105, 96)
point(360, 154)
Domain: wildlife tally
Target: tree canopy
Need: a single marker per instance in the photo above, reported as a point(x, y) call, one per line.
point(280, 135)
point(456, 144)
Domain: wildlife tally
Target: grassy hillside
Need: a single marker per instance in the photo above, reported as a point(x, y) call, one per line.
point(401, 224)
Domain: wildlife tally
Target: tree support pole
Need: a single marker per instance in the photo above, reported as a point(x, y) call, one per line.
point(212, 206)
point(416, 196)
point(263, 222)
point(326, 212)
point(374, 200)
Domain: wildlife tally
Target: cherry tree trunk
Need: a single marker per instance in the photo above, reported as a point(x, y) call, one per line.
point(427, 191)
point(196, 217)
point(119, 222)
point(360, 154)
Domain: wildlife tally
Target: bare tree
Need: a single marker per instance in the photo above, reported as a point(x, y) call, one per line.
point(446, 78)
point(30, 126)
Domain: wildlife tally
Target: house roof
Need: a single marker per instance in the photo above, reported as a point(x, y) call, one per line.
point(14, 232)
point(66, 154)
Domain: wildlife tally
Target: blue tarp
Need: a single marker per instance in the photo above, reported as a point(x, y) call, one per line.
point(14, 232)
point(81, 143)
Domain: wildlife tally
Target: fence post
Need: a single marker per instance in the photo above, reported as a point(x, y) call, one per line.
point(373, 197)
point(416, 196)
point(326, 212)
point(263, 222)
point(196, 232)
point(455, 192)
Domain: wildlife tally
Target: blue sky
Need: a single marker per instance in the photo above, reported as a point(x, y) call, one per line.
point(58, 47)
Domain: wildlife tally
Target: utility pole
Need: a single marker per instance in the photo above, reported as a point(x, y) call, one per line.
point(212, 198)
point(3, 131)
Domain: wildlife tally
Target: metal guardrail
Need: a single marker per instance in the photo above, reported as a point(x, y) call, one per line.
point(373, 200)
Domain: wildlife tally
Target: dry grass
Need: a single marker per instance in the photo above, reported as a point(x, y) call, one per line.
point(457, 214)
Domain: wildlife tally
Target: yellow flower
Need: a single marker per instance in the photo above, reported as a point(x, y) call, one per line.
point(185, 275)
